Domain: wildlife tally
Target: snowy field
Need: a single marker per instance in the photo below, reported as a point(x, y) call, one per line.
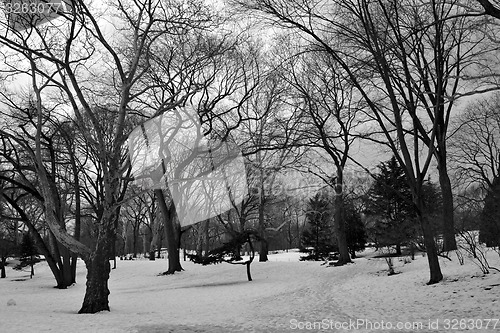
point(285, 296)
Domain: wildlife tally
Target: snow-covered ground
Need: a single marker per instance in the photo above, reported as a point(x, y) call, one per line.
point(285, 296)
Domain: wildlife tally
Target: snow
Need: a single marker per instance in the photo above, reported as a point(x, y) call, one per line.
point(285, 296)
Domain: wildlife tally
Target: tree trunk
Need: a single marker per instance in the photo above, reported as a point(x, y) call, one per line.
point(430, 244)
point(98, 269)
point(40, 245)
point(249, 275)
point(199, 244)
point(78, 215)
point(32, 267)
point(264, 250)
point(207, 236)
point(113, 254)
point(339, 221)
point(174, 263)
point(134, 239)
point(152, 242)
point(66, 260)
point(398, 249)
point(4, 262)
point(431, 249)
point(262, 228)
point(449, 241)
point(237, 252)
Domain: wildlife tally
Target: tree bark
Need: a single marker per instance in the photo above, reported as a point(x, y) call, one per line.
point(98, 270)
point(449, 241)
point(174, 262)
point(97, 292)
point(430, 244)
point(4, 262)
point(431, 249)
point(97, 263)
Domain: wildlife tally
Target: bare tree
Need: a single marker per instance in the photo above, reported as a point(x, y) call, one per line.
point(354, 20)
point(475, 151)
point(327, 124)
point(24, 193)
point(268, 143)
point(58, 57)
point(475, 143)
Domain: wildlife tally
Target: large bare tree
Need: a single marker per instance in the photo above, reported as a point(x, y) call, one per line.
point(327, 125)
point(60, 58)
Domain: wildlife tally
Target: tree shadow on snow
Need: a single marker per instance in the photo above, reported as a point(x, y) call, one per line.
point(214, 284)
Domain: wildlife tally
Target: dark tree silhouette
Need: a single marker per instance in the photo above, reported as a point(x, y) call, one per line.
point(489, 227)
point(318, 238)
point(28, 254)
point(390, 205)
point(355, 229)
point(227, 252)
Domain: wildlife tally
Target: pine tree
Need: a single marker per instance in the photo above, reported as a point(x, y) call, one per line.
point(355, 229)
point(317, 239)
point(390, 202)
point(489, 227)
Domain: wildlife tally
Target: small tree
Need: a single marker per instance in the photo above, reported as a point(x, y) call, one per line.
point(227, 252)
point(317, 238)
point(489, 227)
point(390, 203)
point(6, 248)
point(355, 229)
point(28, 254)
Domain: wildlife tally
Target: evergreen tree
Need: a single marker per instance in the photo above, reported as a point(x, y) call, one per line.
point(29, 254)
point(391, 207)
point(489, 227)
point(355, 229)
point(390, 203)
point(317, 238)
